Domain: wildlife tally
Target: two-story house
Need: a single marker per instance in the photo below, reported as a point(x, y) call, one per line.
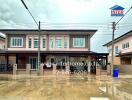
point(122, 52)
point(56, 46)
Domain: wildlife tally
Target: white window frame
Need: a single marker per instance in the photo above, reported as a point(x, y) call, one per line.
point(58, 38)
point(65, 41)
point(116, 49)
point(12, 38)
point(45, 42)
point(34, 41)
point(51, 43)
point(125, 45)
point(31, 42)
point(79, 46)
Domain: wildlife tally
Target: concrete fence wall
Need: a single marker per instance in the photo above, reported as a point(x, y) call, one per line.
point(127, 69)
point(40, 71)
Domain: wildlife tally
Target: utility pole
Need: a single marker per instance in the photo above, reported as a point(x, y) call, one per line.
point(113, 33)
point(39, 31)
point(112, 54)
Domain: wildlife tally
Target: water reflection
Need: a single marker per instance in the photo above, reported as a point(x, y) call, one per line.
point(72, 87)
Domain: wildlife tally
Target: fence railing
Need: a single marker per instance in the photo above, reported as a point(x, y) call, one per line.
point(6, 67)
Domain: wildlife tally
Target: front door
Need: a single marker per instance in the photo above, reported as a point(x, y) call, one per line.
point(33, 62)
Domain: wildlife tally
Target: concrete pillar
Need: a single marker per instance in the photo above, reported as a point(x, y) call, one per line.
point(108, 69)
point(54, 68)
point(89, 63)
point(6, 61)
point(98, 71)
point(67, 68)
point(14, 69)
point(6, 42)
point(47, 42)
point(28, 68)
point(131, 60)
point(41, 69)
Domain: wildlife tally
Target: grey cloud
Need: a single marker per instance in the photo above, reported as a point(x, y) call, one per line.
point(14, 15)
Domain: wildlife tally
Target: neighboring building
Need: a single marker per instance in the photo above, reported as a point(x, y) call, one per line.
point(2, 43)
point(2, 48)
point(122, 52)
point(56, 46)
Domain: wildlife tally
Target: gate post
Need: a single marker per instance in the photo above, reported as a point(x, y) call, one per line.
point(108, 69)
point(28, 67)
point(54, 68)
point(41, 69)
point(98, 71)
point(89, 64)
point(14, 69)
point(67, 69)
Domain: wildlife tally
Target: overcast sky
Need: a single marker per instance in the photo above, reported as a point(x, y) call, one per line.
point(82, 14)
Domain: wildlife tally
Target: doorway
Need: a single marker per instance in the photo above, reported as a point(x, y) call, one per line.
point(34, 62)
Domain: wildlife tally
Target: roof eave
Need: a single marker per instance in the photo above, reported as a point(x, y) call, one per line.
point(115, 40)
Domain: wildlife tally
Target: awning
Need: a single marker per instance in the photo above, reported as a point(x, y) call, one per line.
point(124, 54)
point(83, 53)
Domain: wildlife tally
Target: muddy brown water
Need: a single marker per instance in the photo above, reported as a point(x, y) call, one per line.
point(69, 87)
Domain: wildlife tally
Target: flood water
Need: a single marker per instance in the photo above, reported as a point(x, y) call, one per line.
point(64, 87)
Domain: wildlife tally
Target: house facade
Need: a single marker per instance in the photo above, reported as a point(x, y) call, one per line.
point(2, 42)
point(56, 46)
point(2, 47)
point(122, 52)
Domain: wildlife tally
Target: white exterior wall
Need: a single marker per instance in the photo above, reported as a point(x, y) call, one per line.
point(125, 50)
point(2, 44)
point(119, 44)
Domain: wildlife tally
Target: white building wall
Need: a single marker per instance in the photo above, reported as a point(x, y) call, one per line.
point(117, 60)
point(119, 44)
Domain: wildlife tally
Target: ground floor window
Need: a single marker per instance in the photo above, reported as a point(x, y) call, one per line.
point(126, 60)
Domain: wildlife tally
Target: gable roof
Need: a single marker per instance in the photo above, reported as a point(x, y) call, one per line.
point(78, 30)
point(117, 7)
point(49, 31)
point(120, 38)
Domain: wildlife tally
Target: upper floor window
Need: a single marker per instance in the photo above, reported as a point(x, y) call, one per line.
point(116, 49)
point(125, 45)
point(36, 42)
point(51, 43)
point(30, 42)
point(78, 42)
point(44, 43)
point(65, 42)
point(58, 42)
point(16, 41)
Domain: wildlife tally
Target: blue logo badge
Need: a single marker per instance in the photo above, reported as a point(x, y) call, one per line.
point(117, 10)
